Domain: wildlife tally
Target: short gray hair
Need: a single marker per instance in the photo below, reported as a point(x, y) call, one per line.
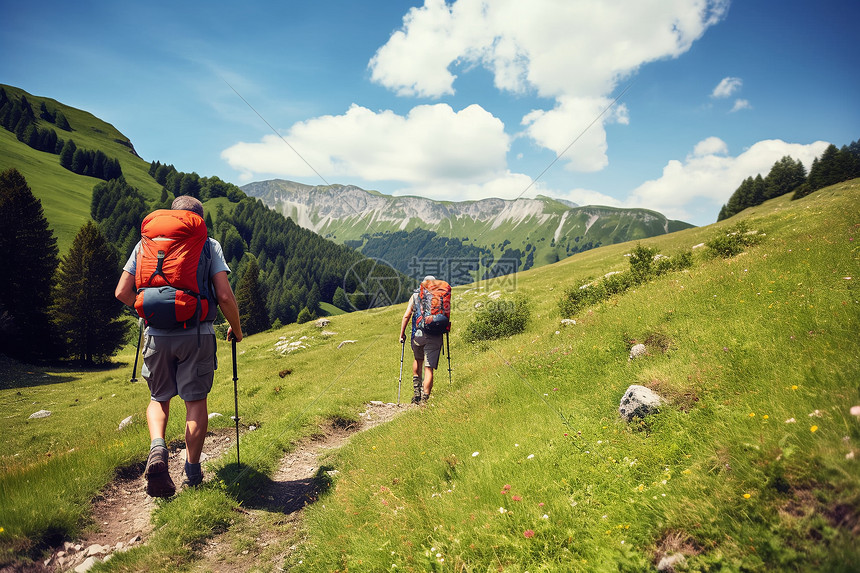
point(188, 203)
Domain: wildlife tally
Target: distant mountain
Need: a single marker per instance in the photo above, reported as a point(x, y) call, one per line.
point(535, 231)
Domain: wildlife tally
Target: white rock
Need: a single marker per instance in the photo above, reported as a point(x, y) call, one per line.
point(322, 322)
point(86, 565)
point(637, 351)
point(495, 295)
point(638, 401)
point(214, 415)
point(124, 423)
point(567, 321)
point(95, 549)
point(346, 342)
point(40, 414)
point(667, 563)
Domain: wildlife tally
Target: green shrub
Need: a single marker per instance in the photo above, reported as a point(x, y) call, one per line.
point(733, 241)
point(617, 283)
point(641, 263)
point(645, 264)
point(499, 319)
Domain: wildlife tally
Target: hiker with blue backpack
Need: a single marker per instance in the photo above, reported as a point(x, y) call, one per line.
point(176, 279)
point(429, 310)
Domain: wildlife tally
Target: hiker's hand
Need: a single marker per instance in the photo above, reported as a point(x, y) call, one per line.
point(231, 335)
point(402, 338)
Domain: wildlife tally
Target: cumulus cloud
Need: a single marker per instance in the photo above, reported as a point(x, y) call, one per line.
point(727, 87)
point(505, 185)
point(589, 197)
point(571, 122)
point(573, 52)
point(709, 176)
point(431, 143)
point(740, 104)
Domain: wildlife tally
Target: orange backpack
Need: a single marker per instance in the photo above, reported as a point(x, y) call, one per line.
point(172, 270)
point(434, 307)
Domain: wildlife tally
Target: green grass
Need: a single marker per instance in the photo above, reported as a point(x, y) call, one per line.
point(523, 464)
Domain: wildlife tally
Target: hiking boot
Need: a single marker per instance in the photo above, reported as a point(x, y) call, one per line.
point(158, 481)
point(424, 399)
point(193, 475)
point(416, 399)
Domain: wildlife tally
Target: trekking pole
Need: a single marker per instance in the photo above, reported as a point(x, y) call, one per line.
point(400, 380)
point(448, 344)
point(137, 354)
point(236, 402)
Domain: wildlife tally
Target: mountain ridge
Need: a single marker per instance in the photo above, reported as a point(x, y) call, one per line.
point(544, 229)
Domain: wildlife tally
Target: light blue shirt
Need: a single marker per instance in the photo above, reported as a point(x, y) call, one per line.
point(217, 264)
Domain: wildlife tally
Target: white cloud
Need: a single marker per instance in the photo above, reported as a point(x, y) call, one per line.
point(589, 197)
point(740, 104)
point(708, 177)
point(567, 130)
point(710, 146)
point(506, 185)
point(574, 51)
point(727, 87)
point(431, 143)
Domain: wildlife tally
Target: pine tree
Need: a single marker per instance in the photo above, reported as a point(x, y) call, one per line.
point(785, 176)
point(339, 299)
point(68, 154)
point(304, 316)
point(87, 316)
point(61, 121)
point(252, 300)
point(28, 250)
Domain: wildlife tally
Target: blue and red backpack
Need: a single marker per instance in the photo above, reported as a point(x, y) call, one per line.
point(172, 270)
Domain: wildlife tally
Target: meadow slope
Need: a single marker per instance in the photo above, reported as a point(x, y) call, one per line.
point(521, 463)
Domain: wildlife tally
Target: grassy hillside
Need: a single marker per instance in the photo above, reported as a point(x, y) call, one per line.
point(65, 195)
point(522, 463)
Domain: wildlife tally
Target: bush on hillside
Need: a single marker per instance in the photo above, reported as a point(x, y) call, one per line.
point(499, 319)
point(733, 241)
point(645, 264)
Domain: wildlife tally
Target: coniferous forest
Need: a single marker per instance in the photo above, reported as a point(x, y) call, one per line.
point(789, 175)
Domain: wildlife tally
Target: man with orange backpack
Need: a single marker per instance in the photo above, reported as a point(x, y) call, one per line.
point(429, 309)
point(176, 278)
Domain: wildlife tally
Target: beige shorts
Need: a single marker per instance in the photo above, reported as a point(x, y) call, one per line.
point(427, 348)
point(177, 365)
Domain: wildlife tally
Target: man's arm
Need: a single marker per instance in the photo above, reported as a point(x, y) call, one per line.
point(125, 291)
point(227, 303)
point(406, 316)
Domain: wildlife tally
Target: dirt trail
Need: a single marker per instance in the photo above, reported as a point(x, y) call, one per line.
point(121, 513)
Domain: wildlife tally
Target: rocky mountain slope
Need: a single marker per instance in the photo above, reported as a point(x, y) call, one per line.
point(535, 231)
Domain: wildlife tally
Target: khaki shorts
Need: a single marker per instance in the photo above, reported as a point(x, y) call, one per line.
point(427, 347)
point(177, 365)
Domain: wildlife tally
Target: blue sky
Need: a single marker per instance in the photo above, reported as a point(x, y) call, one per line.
point(461, 100)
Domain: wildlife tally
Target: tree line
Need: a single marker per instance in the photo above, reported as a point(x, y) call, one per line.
point(789, 175)
point(52, 308)
point(18, 117)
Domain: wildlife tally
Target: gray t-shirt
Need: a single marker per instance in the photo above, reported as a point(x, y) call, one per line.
point(217, 265)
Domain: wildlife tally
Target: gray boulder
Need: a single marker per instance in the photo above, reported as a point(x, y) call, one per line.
point(638, 401)
point(637, 351)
